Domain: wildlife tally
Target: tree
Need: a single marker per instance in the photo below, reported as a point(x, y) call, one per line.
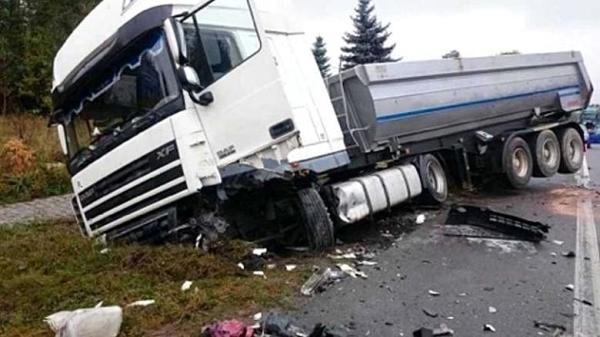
point(454, 54)
point(319, 50)
point(367, 43)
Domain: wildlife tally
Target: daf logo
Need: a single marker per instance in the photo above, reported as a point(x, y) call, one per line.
point(165, 152)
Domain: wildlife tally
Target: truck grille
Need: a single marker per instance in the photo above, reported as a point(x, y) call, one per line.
point(157, 159)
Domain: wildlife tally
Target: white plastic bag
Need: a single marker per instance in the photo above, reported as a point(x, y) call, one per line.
point(96, 322)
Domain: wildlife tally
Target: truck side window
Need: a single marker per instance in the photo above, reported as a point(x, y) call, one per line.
point(220, 36)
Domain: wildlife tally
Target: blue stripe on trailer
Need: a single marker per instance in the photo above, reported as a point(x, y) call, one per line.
point(428, 111)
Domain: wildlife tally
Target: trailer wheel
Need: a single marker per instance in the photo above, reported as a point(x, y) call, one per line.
point(517, 162)
point(435, 182)
point(571, 146)
point(546, 156)
point(317, 223)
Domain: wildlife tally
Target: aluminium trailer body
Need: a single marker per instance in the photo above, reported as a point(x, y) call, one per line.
point(411, 102)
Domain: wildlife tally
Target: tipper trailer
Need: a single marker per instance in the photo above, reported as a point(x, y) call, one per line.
point(188, 120)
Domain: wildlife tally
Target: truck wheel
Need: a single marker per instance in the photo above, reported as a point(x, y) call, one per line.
point(571, 146)
point(317, 223)
point(517, 162)
point(435, 183)
point(546, 156)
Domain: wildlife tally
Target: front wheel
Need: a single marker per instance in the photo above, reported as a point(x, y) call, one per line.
point(517, 163)
point(435, 183)
point(316, 221)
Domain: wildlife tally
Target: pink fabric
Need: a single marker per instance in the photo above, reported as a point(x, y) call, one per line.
point(229, 329)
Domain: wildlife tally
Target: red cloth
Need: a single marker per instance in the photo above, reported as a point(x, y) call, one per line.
point(228, 329)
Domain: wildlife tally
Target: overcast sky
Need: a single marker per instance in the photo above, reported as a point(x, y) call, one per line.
point(427, 29)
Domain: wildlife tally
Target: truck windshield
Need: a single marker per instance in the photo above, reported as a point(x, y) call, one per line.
point(139, 82)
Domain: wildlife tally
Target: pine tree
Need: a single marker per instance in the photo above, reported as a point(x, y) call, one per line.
point(367, 43)
point(320, 52)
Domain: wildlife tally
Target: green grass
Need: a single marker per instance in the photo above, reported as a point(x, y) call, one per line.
point(45, 268)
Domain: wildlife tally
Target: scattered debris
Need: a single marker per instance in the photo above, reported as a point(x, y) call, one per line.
point(569, 254)
point(434, 293)
point(556, 329)
point(241, 266)
point(259, 251)
point(423, 332)
point(278, 325)
point(187, 285)
point(367, 263)
point(347, 256)
point(443, 330)
point(509, 226)
point(105, 251)
point(558, 243)
point(352, 271)
point(96, 322)
point(291, 267)
point(228, 329)
point(319, 280)
point(489, 328)
point(553, 254)
point(260, 274)
point(570, 287)
point(143, 303)
point(430, 313)
point(420, 219)
point(586, 302)
point(257, 316)
point(271, 266)
point(492, 310)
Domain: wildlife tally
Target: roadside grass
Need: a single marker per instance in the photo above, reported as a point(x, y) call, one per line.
point(44, 174)
point(49, 267)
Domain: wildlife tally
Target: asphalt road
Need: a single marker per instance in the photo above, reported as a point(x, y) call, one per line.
point(523, 282)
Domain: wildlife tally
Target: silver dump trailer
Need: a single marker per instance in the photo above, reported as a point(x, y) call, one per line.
point(411, 102)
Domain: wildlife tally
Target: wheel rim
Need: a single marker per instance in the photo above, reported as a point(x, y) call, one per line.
point(550, 153)
point(520, 162)
point(436, 179)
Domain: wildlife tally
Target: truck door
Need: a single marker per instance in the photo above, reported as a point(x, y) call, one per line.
point(244, 108)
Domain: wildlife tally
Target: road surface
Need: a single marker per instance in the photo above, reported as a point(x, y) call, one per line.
point(508, 285)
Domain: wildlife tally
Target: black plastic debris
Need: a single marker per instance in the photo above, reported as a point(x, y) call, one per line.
point(423, 332)
point(493, 223)
point(430, 313)
point(442, 331)
point(280, 325)
point(569, 254)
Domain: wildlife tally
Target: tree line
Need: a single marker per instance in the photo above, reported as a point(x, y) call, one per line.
point(31, 31)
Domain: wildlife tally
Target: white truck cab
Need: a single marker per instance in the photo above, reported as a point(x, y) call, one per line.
point(137, 140)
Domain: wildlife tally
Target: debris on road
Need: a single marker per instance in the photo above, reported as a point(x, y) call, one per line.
point(569, 254)
point(279, 325)
point(508, 226)
point(442, 331)
point(570, 287)
point(430, 313)
point(347, 256)
point(260, 274)
point(423, 332)
point(259, 251)
point(352, 271)
point(434, 293)
point(143, 303)
point(95, 322)
point(420, 219)
point(291, 267)
point(187, 285)
point(492, 310)
point(489, 328)
point(556, 329)
point(228, 329)
point(105, 251)
point(558, 243)
point(319, 280)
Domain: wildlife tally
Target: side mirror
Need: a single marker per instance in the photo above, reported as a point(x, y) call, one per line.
point(181, 43)
point(62, 138)
point(189, 79)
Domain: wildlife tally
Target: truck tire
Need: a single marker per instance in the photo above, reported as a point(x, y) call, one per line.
point(433, 177)
point(317, 223)
point(517, 163)
point(546, 154)
point(571, 146)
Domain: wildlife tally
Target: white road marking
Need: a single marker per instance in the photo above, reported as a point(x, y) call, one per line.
point(587, 273)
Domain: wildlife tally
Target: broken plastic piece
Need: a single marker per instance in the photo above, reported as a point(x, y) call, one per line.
point(96, 322)
point(443, 330)
point(281, 326)
point(488, 219)
point(489, 328)
point(421, 219)
point(570, 287)
point(352, 271)
point(143, 303)
point(260, 274)
point(290, 267)
point(492, 310)
point(259, 251)
point(320, 279)
point(187, 285)
point(433, 293)
point(423, 332)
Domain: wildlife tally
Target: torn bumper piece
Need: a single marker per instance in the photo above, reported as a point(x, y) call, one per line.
point(511, 226)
